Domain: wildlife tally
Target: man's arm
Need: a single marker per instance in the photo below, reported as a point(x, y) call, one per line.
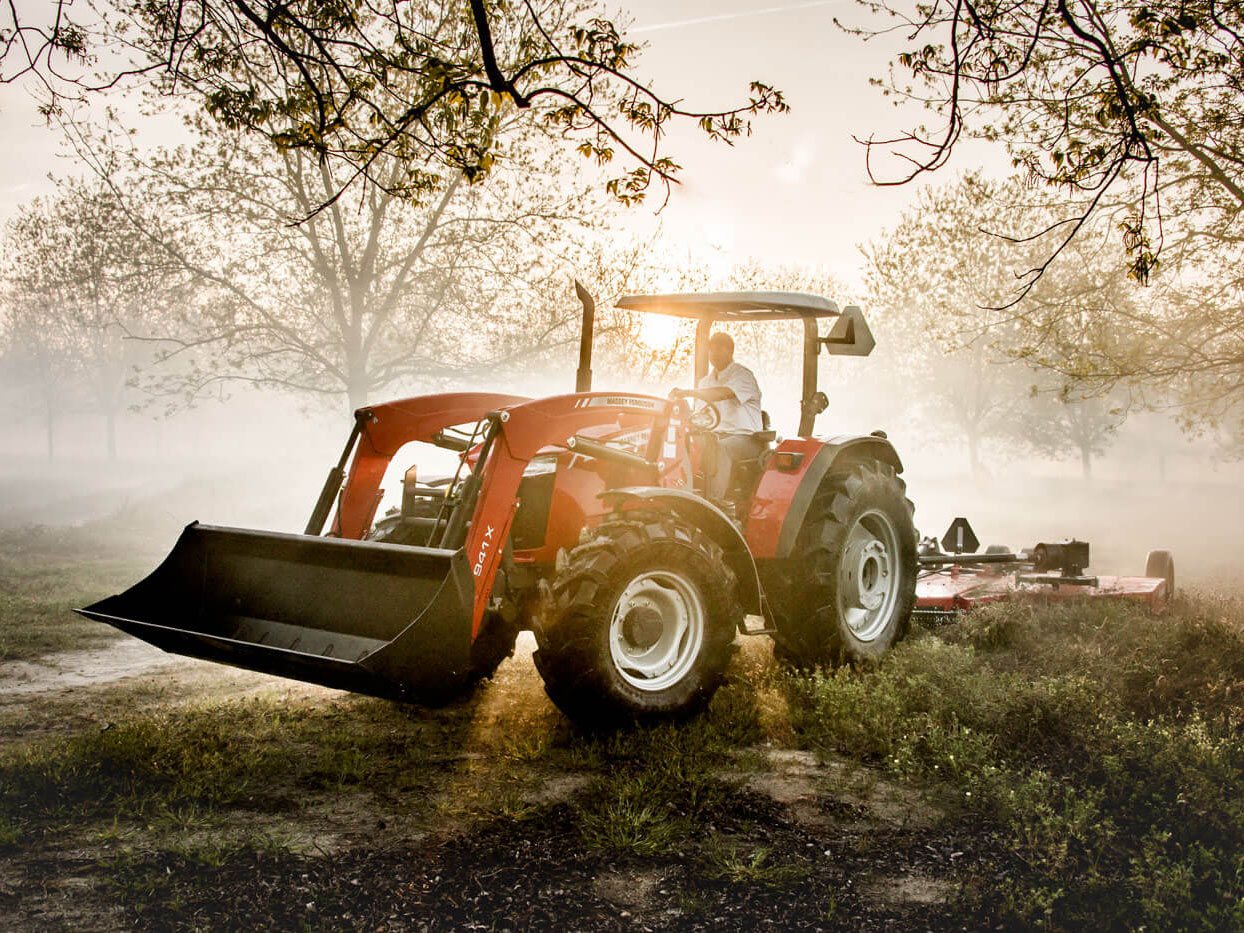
point(707, 394)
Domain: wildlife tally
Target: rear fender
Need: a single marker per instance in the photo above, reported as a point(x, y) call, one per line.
point(836, 452)
point(715, 524)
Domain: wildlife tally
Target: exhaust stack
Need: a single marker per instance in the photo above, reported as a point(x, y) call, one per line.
point(583, 376)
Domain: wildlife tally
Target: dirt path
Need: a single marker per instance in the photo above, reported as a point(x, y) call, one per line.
point(129, 657)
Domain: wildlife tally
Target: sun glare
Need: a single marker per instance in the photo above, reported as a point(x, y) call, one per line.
point(658, 331)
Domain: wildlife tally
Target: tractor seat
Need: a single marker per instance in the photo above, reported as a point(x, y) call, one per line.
point(765, 435)
point(746, 473)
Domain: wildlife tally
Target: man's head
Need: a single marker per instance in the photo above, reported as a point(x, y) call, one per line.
point(720, 350)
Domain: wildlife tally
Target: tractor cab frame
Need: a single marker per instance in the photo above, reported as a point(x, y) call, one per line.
point(849, 334)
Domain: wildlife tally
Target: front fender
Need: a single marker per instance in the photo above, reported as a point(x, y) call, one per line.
point(715, 524)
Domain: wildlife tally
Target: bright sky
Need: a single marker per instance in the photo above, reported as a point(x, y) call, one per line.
point(796, 192)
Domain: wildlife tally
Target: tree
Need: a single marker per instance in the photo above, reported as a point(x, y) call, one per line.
point(1065, 423)
point(355, 85)
point(979, 371)
point(370, 293)
point(1135, 105)
point(77, 284)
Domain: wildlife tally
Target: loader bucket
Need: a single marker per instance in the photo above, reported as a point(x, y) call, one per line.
point(382, 619)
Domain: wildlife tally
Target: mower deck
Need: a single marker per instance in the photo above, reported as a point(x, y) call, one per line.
point(961, 589)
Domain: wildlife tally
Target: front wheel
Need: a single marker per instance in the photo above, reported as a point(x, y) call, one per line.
point(851, 585)
point(641, 623)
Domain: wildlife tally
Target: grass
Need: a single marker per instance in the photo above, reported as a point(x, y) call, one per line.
point(1095, 749)
point(44, 575)
point(740, 864)
point(658, 785)
point(1101, 744)
point(262, 755)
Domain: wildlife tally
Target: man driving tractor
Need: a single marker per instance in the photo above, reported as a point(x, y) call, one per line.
point(732, 389)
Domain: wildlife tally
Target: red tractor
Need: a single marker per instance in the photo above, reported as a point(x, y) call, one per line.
point(582, 517)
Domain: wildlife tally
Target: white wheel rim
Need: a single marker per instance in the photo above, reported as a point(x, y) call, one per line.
point(657, 630)
point(868, 576)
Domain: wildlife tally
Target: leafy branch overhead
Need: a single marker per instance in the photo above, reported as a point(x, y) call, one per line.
point(428, 84)
point(1132, 107)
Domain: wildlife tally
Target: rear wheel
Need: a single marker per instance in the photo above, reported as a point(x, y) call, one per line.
point(1162, 564)
point(641, 624)
point(851, 585)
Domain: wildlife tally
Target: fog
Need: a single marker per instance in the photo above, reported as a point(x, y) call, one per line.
point(258, 458)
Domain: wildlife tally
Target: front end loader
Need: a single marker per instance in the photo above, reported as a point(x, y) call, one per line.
point(582, 517)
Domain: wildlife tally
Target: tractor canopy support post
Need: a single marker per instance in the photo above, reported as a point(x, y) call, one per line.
point(332, 485)
point(807, 405)
point(583, 377)
point(456, 526)
point(703, 328)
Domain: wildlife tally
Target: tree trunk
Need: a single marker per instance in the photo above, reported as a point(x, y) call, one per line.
point(357, 392)
point(50, 420)
point(110, 428)
point(1086, 461)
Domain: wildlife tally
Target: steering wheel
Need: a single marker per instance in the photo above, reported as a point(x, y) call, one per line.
point(705, 418)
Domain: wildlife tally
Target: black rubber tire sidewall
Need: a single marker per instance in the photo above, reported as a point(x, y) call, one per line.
point(810, 630)
point(573, 637)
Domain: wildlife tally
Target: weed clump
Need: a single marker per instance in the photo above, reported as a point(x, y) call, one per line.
point(1114, 798)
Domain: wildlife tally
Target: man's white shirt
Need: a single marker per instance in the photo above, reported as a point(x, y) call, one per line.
point(741, 414)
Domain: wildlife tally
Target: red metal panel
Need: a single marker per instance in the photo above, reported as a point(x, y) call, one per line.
point(958, 590)
point(770, 504)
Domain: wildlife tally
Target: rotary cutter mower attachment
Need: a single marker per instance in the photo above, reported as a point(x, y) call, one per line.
point(956, 577)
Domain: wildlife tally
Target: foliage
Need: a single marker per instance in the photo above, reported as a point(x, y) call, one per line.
point(1138, 101)
point(1113, 793)
point(426, 85)
point(311, 282)
point(1127, 114)
point(78, 286)
point(938, 280)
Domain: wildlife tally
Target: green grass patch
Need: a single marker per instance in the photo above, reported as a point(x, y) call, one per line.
point(37, 600)
point(657, 785)
point(1102, 743)
point(44, 575)
point(261, 754)
point(729, 861)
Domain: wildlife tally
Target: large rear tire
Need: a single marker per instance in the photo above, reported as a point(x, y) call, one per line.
point(641, 622)
point(850, 587)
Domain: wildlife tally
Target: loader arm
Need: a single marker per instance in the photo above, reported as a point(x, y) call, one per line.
point(521, 431)
point(384, 429)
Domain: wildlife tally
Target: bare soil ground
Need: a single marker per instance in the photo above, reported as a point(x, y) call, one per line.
point(490, 832)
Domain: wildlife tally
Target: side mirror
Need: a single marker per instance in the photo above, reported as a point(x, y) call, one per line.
point(816, 404)
point(850, 335)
